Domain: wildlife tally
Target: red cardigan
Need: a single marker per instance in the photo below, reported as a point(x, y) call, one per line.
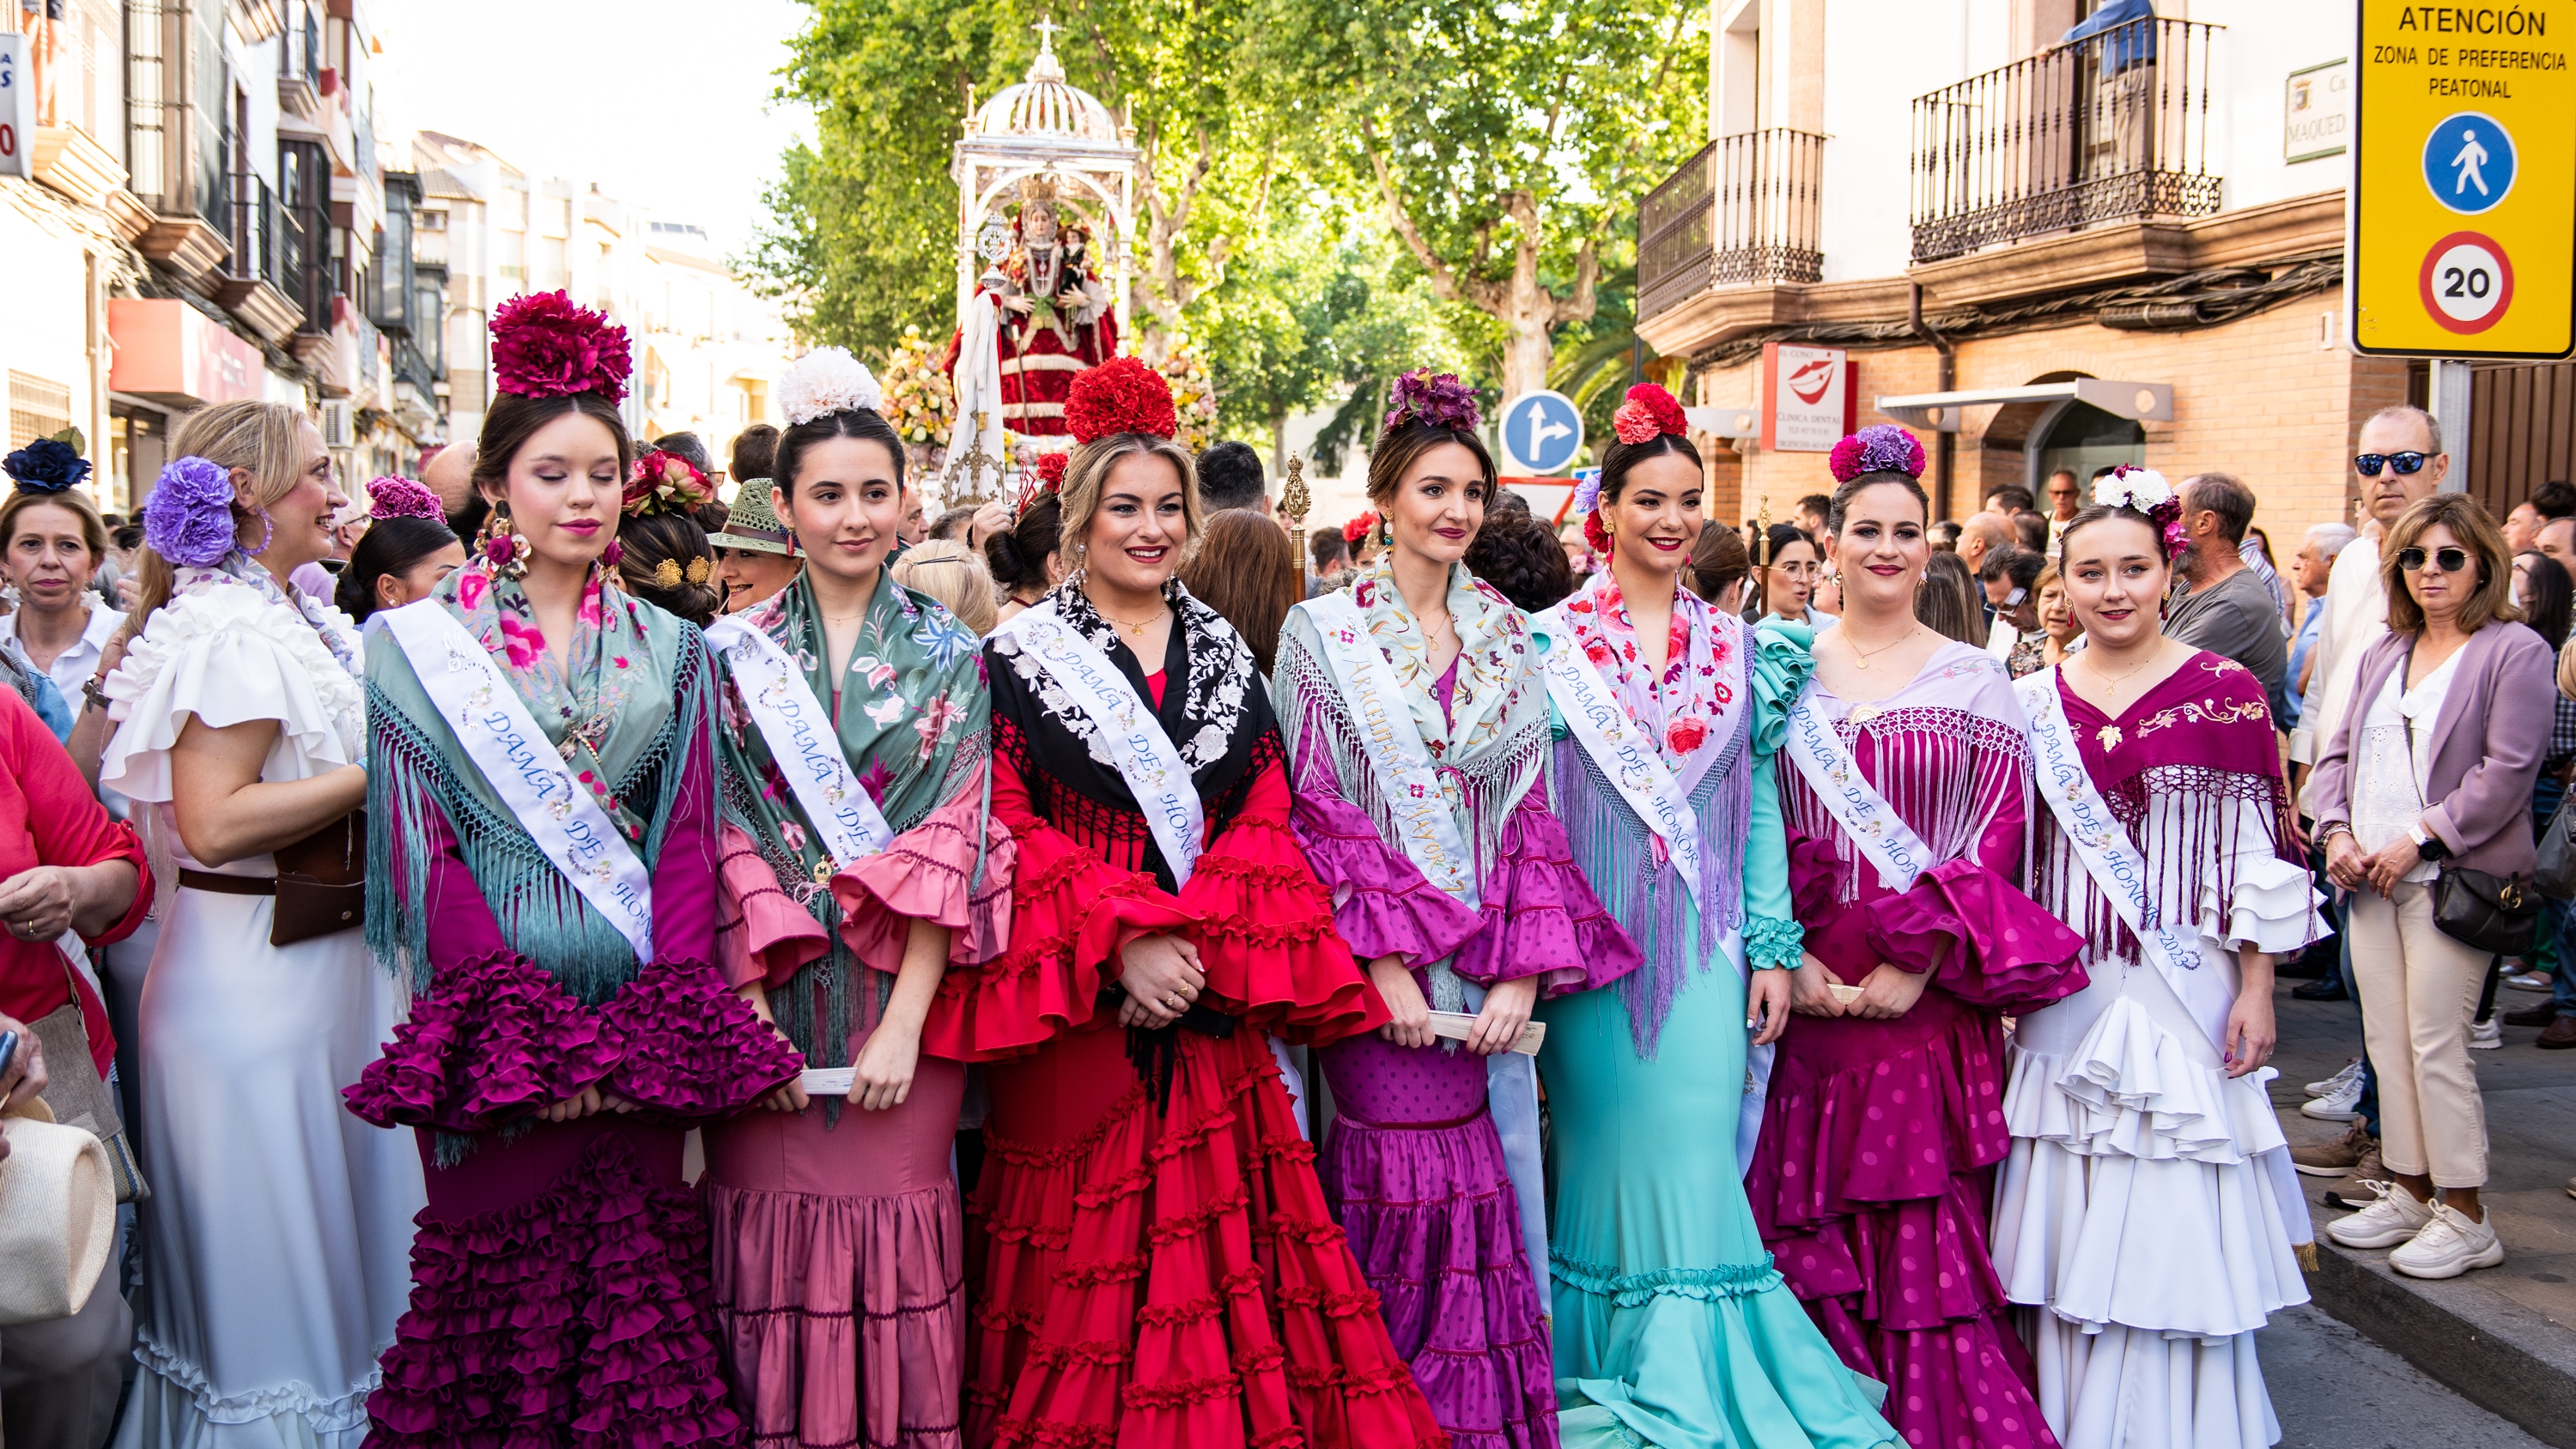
point(49, 817)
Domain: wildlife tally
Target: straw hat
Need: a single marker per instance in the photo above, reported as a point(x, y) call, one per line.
point(753, 524)
point(57, 1215)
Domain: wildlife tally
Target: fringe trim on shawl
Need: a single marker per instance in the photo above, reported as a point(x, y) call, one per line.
point(1616, 852)
point(540, 914)
point(1489, 786)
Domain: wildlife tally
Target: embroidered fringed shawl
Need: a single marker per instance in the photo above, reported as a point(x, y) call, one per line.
point(2193, 772)
point(640, 687)
point(1489, 746)
point(915, 722)
point(1627, 866)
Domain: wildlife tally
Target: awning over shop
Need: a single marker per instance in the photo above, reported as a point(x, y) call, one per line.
point(2140, 401)
point(175, 355)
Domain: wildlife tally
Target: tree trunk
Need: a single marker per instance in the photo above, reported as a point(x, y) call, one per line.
point(1279, 446)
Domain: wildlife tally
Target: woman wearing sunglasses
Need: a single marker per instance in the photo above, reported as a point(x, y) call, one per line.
point(2431, 771)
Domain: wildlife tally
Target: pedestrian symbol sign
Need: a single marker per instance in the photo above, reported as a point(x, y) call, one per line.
point(2460, 235)
point(2468, 162)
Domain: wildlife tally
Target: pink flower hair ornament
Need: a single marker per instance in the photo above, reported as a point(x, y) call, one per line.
point(1885, 448)
point(2144, 492)
point(1648, 414)
point(398, 497)
point(544, 346)
point(1442, 401)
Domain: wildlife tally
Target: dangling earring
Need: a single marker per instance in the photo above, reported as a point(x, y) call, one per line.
point(267, 534)
point(1385, 532)
point(503, 546)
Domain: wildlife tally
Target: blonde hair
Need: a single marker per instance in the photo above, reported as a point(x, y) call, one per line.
point(93, 528)
point(264, 438)
point(954, 575)
point(1087, 473)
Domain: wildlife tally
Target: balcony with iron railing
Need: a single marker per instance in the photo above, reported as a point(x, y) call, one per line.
point(2111, 128)
point(1747, 211)
point(257, 281)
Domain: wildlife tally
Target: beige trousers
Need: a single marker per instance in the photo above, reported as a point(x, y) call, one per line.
point(2418, 990)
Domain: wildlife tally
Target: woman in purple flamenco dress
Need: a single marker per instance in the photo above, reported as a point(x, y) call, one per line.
point(1416, 722)
point(1908, 812)
point(542, 842)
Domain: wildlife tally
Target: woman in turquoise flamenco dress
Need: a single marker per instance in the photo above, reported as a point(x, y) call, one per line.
point(1672, 1328)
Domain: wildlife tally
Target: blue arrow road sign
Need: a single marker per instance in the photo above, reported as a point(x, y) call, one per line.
point(1542, 432)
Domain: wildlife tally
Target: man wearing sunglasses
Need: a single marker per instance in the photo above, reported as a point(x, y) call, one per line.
point(2398, 461)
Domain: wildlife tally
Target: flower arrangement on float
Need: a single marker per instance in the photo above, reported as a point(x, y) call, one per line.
point(920, 401)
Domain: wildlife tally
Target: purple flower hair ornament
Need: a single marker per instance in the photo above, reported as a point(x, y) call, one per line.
point(1442, 401)
point(1885, 448)
point(1587, 494)
point(393, 496)
point(189, 517)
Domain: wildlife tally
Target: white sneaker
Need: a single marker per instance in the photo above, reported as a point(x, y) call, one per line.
point(2350, 1074)
point(2395, 1218)
point(2448, 1246)
point(2486, 1036)
point(2340, 1105)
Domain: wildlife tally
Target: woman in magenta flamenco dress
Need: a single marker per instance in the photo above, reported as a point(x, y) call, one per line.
point(1908, 811)
point(1451, 876)
point(542, 838)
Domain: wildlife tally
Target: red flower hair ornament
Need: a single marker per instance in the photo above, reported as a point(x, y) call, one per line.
point(1121, 395)
point(1885, 448)
point(1358, 528)
point(664, 483)
point(544, 346)
point(1648, 414)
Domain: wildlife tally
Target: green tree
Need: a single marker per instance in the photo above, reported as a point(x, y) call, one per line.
point(863, 234)
point(1505, 143)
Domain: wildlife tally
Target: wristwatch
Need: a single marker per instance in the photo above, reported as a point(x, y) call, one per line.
point(2428, 846)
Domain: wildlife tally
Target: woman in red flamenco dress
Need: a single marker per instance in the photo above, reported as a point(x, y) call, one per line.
point(1151, 1260)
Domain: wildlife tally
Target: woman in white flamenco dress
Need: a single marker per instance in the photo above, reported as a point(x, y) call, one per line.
point(2148, 1214)
point(277, 1237)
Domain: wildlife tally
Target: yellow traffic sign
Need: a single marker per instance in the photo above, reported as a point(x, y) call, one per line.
point(2460, 237)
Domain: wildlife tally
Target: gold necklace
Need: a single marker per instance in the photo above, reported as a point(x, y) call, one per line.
point(1863, 656)
point(2113, 683)
point(1136, 629)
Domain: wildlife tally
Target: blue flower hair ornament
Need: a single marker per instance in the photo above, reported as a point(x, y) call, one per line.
point(189, 517)
point(46, 466)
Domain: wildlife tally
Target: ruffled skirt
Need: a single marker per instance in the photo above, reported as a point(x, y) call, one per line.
point(1158, 1278)
point(1672, 1327)
point(2148, 1214)
point(1870, 1183)
point(1414, 1170)
point(839, 1270)
point(560, 1297)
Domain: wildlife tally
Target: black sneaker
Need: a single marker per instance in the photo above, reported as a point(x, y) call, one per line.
point(2326, 990)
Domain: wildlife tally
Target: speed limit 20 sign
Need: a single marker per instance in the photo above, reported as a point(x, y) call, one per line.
point(2461, 231)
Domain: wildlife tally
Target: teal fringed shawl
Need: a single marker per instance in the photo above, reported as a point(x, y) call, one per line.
point(914, 720)
point(663, 697)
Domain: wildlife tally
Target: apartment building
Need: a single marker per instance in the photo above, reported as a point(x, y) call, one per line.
point(708, 351)
point(205, 217)
point(2044, 233)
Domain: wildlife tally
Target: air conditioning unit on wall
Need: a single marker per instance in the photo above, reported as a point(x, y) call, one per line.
point(339, 424)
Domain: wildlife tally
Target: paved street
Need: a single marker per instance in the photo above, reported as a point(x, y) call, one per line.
point(2334, 1389)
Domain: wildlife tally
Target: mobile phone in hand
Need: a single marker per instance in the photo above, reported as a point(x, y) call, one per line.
point(8, 1050)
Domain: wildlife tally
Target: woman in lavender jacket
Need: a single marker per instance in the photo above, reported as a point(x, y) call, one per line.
point(2432, 771)
point(1416, 723)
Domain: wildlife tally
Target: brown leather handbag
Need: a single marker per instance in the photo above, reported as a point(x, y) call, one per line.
point(322, 882)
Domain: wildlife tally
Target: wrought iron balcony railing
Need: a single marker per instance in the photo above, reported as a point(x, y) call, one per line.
point(2114, 127)
point(1746, 211)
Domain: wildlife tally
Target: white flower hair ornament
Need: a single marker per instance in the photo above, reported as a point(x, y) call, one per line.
point(827, 380)
point(2138, 488)
point(2145, 491)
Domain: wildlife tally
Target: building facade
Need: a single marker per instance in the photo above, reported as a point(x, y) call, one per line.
point(1985, 203)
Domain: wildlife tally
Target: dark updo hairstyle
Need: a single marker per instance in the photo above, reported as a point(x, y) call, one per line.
point(1400, 447)
point(861, 423)
point(755, 452)
point(1521, 557)
point(1619, 459)
point(391, 546)
point(1718, 558)
point(1018, 554)
point(645, 544)
point(514, 418)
